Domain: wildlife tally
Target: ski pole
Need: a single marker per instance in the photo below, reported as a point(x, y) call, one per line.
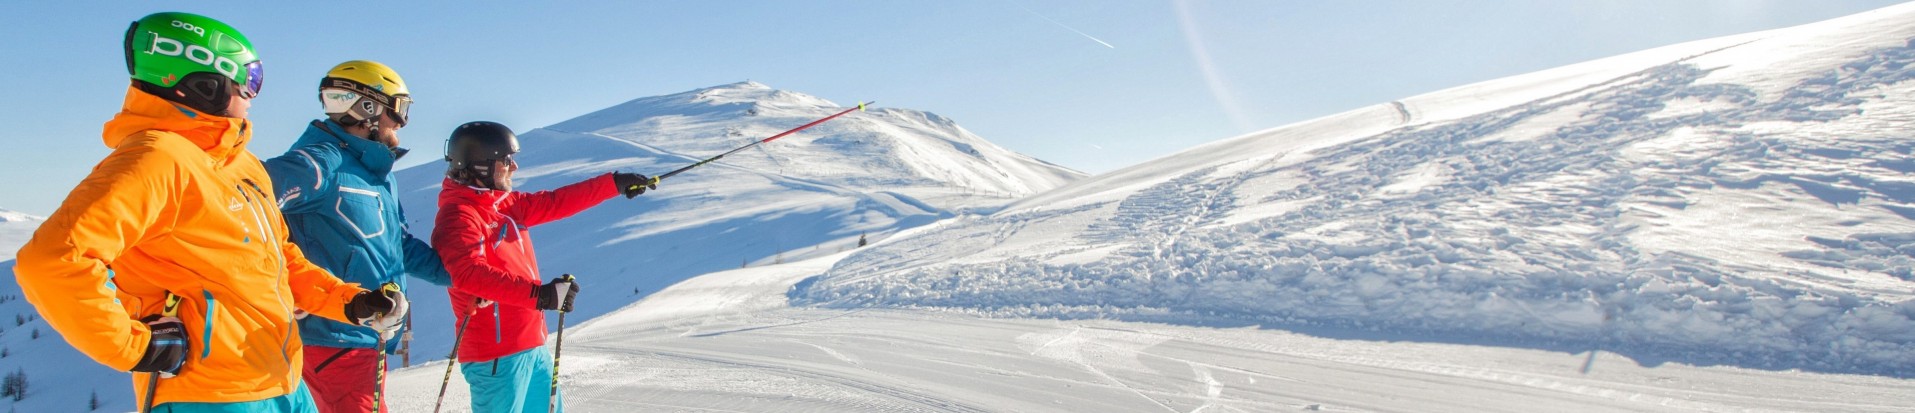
point(655, 179)
point(379, 393)
point(405, 341)
point(171, 309)
point(552, 402)
point(453, 358)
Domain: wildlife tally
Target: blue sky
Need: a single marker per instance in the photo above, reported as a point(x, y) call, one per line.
point(1092, 85)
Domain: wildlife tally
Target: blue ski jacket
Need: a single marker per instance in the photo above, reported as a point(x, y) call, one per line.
point(336, 192)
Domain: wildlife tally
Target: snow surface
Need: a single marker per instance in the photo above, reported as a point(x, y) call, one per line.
point(1721, 225)
point(730, 342)
point(1742, 201)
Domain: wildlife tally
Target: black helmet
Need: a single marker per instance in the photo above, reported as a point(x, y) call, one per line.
point(474, 145)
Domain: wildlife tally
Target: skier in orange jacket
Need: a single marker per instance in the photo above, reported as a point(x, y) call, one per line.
point(181, 208)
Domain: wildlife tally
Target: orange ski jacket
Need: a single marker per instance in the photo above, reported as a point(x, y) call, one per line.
point(179, 206)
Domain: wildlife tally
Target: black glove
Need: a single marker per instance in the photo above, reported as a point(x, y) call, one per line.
point(558, 294)
point(167, 349)
point(367, 307)
point(633, 184)
point(384, 310)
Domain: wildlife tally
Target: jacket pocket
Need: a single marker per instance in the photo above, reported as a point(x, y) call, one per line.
point(206, 332)
point(361, 209)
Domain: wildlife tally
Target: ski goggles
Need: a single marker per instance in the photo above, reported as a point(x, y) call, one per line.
point(255, 79)
point(401, 109)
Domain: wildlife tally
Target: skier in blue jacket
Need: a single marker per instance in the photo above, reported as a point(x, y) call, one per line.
point(335, 187)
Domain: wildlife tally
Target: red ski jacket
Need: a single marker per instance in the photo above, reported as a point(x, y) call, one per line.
point(482, 236)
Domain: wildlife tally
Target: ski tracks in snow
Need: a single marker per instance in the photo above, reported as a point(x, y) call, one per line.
point(923, 400)
point(1103, 349)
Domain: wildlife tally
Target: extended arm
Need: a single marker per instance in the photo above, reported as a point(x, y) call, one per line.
point(531, 209)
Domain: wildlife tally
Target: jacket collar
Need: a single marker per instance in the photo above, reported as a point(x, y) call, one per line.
point(221, 137)
point(451, 192)
point(375, 156)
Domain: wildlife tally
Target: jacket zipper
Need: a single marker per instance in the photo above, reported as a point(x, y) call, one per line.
point(279, 277)
point(509, 227)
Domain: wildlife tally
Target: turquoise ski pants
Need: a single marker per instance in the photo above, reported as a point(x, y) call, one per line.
point(519, 383)
point(299, 401)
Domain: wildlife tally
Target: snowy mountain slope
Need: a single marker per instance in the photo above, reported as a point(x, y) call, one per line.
point(808, 194)
point(1743, 200)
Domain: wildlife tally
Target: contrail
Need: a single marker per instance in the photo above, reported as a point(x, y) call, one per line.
point(1066, 27)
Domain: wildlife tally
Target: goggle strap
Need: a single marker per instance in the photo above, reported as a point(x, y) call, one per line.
point(348, 84)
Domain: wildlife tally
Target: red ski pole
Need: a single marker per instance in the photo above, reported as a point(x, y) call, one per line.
point(860, 107)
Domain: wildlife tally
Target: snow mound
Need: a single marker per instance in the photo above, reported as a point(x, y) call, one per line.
point(1743, 200)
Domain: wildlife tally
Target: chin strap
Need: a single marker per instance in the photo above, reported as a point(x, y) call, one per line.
point(204, 92)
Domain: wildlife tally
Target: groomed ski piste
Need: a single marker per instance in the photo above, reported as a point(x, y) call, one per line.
point(730, 342)
point(1723, 225)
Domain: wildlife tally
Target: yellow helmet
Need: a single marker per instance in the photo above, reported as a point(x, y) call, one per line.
point(359, 91)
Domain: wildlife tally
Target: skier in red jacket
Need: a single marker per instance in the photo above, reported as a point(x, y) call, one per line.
point(481, 235)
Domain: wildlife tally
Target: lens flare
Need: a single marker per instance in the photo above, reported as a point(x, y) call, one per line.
point(1201, 53)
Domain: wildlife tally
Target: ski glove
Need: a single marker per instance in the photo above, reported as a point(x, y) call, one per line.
point(633, 184)
point(558, 294)
point(383, 311)
point(167, 349)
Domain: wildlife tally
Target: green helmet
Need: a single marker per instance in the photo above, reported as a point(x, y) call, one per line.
point(164, 49)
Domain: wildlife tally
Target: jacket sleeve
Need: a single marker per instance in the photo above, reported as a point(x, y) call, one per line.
point(303, 176)
point(63, 270)
point(459, 238)
point(314, 289)
point(532, 209)
point(422, 262)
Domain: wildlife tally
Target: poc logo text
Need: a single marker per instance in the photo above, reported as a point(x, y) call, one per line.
point(198, 54)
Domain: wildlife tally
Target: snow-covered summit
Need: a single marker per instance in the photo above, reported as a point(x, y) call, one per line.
point(736, 100)
point(1743, 200)
point(14, 216)
point(15, 229)
point(883, 149)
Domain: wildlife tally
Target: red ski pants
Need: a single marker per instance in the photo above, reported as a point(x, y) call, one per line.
point(342, 380)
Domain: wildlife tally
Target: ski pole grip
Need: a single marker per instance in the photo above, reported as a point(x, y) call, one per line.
point(389, 290)
point(172, 307)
